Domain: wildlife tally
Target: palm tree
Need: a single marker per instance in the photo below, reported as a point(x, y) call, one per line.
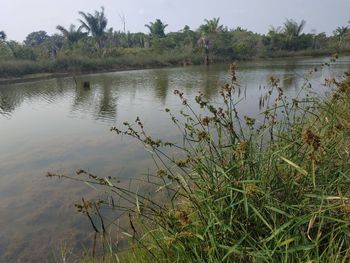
point(95, 24)
point(208, 31)
point(340, 32)
point(204, 43)
point(292, 30)
point(72, 35)
point(211, 26)
point(157, 28)
point(274, 38)
point(274, 30)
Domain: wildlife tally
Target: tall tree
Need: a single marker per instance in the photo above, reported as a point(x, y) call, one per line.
point(189, 36)
point(55, 43)
point(209, 32)
point(4, 43)
point(72, 34)
point(292, 31)
point(274, 38)
point(274, 30)
point(211, 26)
point(340, 32)
point(157, 28)
point(36, 38)
point(95, 24)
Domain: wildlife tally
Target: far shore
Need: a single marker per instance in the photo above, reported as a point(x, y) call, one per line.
point(76, 72)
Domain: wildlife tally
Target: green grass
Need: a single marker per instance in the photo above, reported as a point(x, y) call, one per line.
point(77, 64)
point(276, 189)
point(125, 59)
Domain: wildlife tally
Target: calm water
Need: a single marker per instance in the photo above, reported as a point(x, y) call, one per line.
point(53, 126)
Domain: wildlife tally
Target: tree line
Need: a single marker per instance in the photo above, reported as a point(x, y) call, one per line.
point(92, 38)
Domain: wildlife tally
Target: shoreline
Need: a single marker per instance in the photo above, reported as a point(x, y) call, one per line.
point(70, 73)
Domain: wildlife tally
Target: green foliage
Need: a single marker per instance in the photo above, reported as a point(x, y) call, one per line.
point(292, 29)
point(245, 44)
point(288, 38)
point(212, 42)
point(19, 68)
point(5, 51)
point(95, 24)
point(35, 39)
point(72, 34)
point(188, 37)
point(211, 26)
point(160, 44)
point(341, 33)
point(126, 40)
point(21, 52)
point(56, 43)
point(210, 33)
point(25, 53)
point(157, 28)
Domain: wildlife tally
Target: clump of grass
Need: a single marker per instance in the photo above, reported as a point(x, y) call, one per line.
point(272, 189)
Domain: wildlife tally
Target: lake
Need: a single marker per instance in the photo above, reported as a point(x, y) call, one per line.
point(55, 126)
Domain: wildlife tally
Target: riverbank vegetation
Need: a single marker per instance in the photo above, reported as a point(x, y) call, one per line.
point(239, 189)
point(92, 45)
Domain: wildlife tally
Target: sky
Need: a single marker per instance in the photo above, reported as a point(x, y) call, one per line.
point(20, 17)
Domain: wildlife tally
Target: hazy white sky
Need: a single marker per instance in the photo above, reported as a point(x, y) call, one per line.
point(20, 17)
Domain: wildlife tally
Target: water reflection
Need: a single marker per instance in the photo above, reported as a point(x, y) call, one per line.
point(8, 102)
point(55, 125)
point(107, 107)
point(101, 99)
point(83, 98)
point(161, 84)
point(12, 96)
point(210, 83)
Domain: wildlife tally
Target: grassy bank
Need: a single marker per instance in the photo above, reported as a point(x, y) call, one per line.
point(272, 189)
point(82, 64)
point(135, 59)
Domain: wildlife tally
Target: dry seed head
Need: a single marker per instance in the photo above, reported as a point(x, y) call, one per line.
point(346, 206)
point(251, 189)
point(170, 241)
point(312, 139)
point(273, 81)
point(161, 173)
point(182, 163)
point(242, 147)
point(205, 121)
point(313, 157)
point(202, 135)
point(183, 217)
point(233, 69)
